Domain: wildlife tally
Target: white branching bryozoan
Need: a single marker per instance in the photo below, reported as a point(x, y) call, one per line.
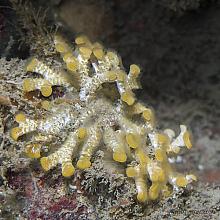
point(104, 114)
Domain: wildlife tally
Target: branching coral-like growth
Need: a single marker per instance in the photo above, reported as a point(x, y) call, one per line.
point(105, 114)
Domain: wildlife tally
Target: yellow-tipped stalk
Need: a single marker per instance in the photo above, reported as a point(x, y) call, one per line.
point(67, 169)
point(111, 75)
point(148, 115)
point(113, 141)
point(133, 140)
point(28, 85)
point(131, 172)
point(162, 139)
point(156, 173)
point(181, 181)
point(113, 57)
point(71, 62)
point(134, 70)
point(187, 137)
point(82, 39)
point(46, 163)
point(16, 133)
point(20, 117)
point(33, 150)
point(46, 105)
point(154, 191)
point(159, 154)
point(119, 156)
point(142, 194)
point(158, 176)
point(82, 132)
point(140, 182)
point(98, 53)
point(128, 97)
point(121, 75)
point(46, 90)
point(83, 163)
point(85, 52)
point(60, 45)
point(142, 156)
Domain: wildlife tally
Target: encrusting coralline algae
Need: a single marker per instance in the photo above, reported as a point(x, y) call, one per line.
point(101, 112)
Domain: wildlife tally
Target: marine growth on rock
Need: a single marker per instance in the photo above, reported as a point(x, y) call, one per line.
point(103, 114)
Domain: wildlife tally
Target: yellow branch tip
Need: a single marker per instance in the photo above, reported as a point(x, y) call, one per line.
point(71, 62)
point(158, 175)
point(67, 169)
point(142, 156)
point(181, 181)
point(142, 196)
point(20, 117)
point(154, 191)
point(83, 163)
point(82, 39)
point(131, 172)
point(82, 132)
point(46, 90)
point(119, 156)
point(148, 115)
point(85, 51)
point(187, 137)
point(16, 133)
point(98, 53)
point(128, 97)
point(162, 139)
point(28, 85)
point(33, 150)
point(133, 140)
point(45, 163)
point(111, 75)
point(46, 105)
point(121, 75)
point(135, 70)
point(60, 45)
point(159, 154)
